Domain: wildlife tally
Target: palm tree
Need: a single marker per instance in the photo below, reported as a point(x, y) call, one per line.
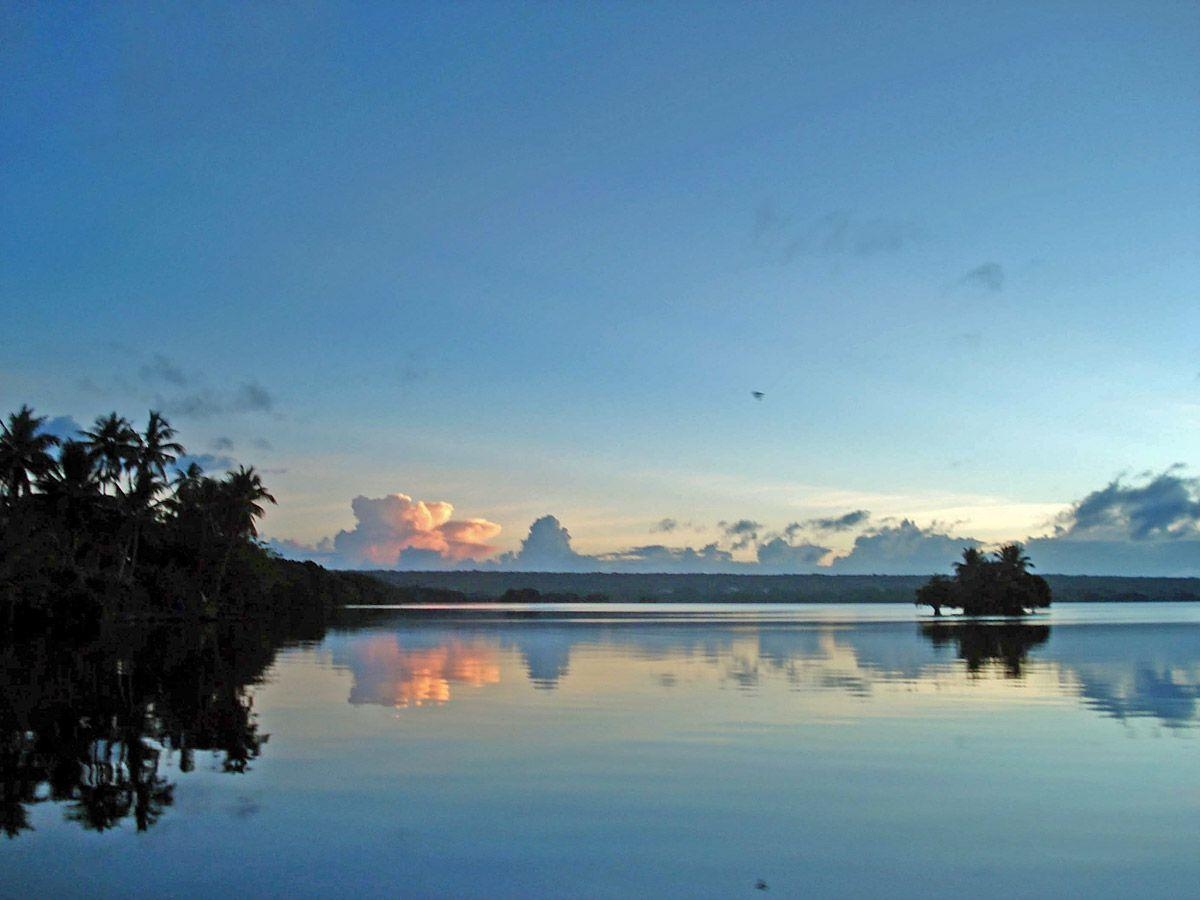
point(72, 488)
point(972, 559)
point(243, 493)
point(24, 452)
point(114, 445)
point(157, 449)
point(240, 503)
point(1013, 556)
point(141, 509)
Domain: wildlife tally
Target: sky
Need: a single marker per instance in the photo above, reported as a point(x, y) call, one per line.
point(441, 271)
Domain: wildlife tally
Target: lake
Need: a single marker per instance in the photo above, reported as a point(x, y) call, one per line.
point(611, 751)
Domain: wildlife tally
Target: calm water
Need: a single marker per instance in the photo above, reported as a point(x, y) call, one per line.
point(615, 751)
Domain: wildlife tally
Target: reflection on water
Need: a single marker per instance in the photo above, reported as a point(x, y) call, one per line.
point(981, 643)
point(597, 752)
point(1122, 671)
point(103, 726)
point(417, 676)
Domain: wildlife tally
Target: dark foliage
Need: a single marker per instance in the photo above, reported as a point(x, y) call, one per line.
point(108, 527)
point(999, 585)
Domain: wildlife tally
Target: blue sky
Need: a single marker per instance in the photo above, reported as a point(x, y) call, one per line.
point(533, 259)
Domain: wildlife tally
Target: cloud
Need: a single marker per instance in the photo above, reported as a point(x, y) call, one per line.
point(777, 555)
point(988, 277)
point(253, 397)
point(1069, 556)
point(1147, 528)
point(1167, 507)
point(250, 397)
point(162, 369)
point(1149, 525)
point(223, 443)
point(65, 428)
point(769, 220)
point(659, 558)
point(198, 406)
point(903, 549)
point(547, 548)
point(743, 532)
point(838, 234)
point(835, 523)
point(388, 526)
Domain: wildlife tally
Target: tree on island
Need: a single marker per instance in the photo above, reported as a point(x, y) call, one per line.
point(996, 585)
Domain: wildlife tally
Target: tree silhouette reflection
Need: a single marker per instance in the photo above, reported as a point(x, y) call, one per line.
point(979, 643)
point(98, 724)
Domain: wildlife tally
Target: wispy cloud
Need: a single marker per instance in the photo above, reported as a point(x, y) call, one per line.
point(787, 236)
point(160, 369)
point(249, 397)
point(987, 277)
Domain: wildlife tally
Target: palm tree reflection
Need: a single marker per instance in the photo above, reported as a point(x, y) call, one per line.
point(99, 726)
point(980, 643)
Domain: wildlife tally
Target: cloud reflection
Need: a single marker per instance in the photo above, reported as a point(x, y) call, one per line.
point(1121, 672)
point(393, 675)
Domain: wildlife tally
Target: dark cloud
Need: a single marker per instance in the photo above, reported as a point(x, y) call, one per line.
point(903, 549)
point(768, 220)
point(838, 234)
point(250, 397)
point(988, 277)
point(743, 532)
point(197, 406)
point(785, 236)
point(548, 548)
point(262, 444)
point(777, 555)
point(1072, 556)
point(835, 523)
point(659, 558)
point(1146, 528)
point(253, 397)
point(223, 443)
point(1166, 507)
point(664, 525)
point(161, 369)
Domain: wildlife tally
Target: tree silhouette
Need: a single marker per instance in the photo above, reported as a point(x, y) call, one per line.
point(113, 445)
point(24, 452)
point(1001, 585)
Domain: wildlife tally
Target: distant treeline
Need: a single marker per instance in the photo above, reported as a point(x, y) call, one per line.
point(476, 586)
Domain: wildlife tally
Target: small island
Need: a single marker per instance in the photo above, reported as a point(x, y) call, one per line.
point(996, 585)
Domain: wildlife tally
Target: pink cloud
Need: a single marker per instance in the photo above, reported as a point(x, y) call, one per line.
point(387, 526)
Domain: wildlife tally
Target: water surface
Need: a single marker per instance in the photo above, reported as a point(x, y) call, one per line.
point(683, 751)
